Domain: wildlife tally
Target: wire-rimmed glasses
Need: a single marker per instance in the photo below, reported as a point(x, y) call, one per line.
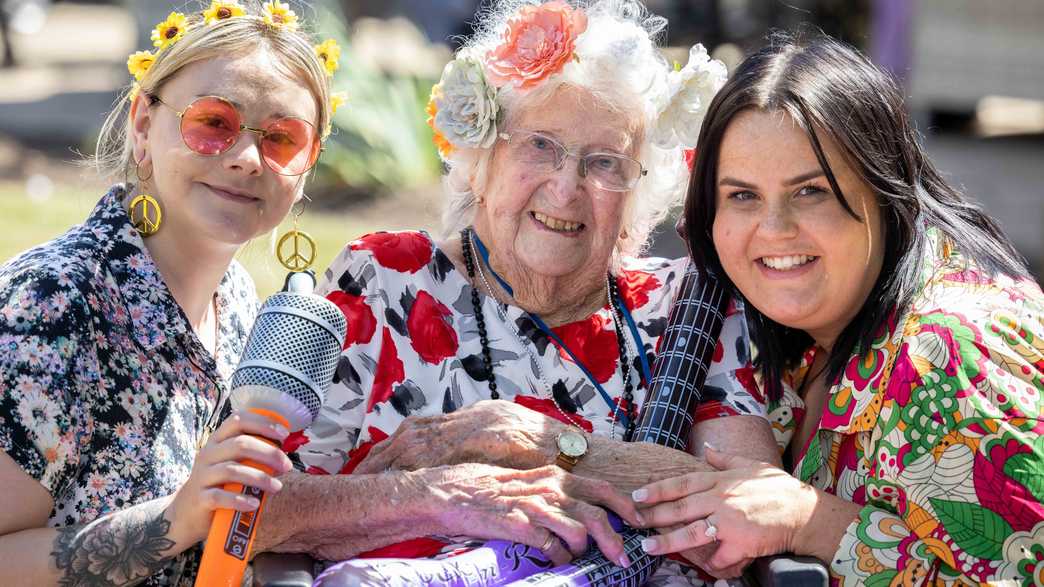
point(608, 171)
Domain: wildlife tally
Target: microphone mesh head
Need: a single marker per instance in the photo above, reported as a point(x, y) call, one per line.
point(293, 349)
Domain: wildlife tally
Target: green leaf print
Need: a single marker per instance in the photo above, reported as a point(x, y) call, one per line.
point(963, 337)
point(975, 529)
point(813, 458)
point(1028, 469)
point(882, 579)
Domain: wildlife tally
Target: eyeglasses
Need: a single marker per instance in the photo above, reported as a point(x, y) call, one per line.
point(608, 171)
point(211, 125)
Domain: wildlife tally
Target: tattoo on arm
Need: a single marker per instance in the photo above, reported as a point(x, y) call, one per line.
point(119, 549)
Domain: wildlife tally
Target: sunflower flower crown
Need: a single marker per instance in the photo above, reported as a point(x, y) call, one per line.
point(539, 42)
point(274, 14)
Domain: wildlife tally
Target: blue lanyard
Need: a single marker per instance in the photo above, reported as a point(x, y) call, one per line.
point(621, 415)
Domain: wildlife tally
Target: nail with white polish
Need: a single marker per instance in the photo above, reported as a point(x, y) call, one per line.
point(640, 494)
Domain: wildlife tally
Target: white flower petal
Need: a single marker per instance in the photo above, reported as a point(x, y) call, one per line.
point(467, 106)
point(691, 90)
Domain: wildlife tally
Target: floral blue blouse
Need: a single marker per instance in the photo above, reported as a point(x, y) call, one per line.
point(105, 390)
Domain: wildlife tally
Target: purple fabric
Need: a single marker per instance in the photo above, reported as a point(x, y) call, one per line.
point(496, 563)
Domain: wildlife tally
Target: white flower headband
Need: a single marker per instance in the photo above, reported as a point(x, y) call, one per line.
point(539, 41)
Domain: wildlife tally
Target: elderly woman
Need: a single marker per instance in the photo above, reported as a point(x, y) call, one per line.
point(903, 340)
point(522, 340)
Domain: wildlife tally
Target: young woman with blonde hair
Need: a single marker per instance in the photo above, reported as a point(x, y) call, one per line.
point(120, 336)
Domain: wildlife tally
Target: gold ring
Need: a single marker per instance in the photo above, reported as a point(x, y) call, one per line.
point(550, 542)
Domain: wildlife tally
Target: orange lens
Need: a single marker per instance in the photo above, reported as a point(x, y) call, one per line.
point(290, 146)
point(210, 126)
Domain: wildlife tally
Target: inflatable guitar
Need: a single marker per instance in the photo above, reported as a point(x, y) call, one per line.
point(679, 372)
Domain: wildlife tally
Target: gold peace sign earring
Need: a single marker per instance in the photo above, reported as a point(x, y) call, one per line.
point(296, 250)
point(146, 216)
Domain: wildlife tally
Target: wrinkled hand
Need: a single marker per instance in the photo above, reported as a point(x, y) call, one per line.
point(493, 432)
point(218, 463)
point(529, 507)
point(756, 508)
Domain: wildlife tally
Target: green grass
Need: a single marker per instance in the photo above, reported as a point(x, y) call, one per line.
point(24, 224)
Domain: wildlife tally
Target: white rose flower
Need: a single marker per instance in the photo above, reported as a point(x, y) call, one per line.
point(690, 92)
point(467, 106)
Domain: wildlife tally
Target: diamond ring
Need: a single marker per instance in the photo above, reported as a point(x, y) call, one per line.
point(711, 531)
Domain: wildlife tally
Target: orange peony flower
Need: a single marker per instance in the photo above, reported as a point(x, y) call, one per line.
point(539, 41)
point(444, 147)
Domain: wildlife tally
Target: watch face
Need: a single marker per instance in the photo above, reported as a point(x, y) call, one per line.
point(572, 444)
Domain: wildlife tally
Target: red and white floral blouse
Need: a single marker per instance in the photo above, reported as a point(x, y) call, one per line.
point(413, 349)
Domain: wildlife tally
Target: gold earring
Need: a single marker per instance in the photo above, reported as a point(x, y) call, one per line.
point(145, 213)
point(296, 250)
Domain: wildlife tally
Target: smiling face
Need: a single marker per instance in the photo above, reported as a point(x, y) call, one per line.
point(781, 234)
point(541, 223)
point(231, 197)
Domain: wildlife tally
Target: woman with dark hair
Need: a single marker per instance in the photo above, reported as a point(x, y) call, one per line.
point(901, 340)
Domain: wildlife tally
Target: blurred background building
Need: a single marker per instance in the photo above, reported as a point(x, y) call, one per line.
point(972, 71)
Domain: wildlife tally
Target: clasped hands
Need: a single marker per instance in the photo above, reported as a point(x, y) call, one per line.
point(486, 473)
point(756, 509)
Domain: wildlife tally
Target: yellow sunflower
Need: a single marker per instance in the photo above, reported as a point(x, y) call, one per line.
point(337, 100)
point(222, 10)
point(169, 31)
point(444, 147)
point(139, 63)
point(330, 54)
point(278, 14)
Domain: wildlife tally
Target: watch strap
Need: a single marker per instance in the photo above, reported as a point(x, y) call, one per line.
point(566, 462)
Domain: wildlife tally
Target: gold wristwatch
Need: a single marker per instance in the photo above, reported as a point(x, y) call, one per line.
point(572, 446)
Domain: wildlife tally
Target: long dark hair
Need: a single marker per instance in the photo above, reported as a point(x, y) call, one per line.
point(830, 88)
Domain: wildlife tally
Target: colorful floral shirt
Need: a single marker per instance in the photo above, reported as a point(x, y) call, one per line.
point(937, 432)
point(104, 387)
point(413, 349)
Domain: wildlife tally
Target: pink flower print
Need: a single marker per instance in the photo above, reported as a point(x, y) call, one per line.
point(1002, 477)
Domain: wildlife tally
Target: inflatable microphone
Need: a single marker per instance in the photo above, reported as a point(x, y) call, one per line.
point(679, 372)
point(284, 374)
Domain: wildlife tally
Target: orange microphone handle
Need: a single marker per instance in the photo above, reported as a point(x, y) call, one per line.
point(231, 537)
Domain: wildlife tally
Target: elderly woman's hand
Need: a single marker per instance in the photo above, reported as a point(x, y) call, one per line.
point(493, 432)
point(750, 508)
point(545, 508)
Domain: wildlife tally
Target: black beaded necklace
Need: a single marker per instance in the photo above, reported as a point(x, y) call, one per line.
point(487, 358)
point(470, 260)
